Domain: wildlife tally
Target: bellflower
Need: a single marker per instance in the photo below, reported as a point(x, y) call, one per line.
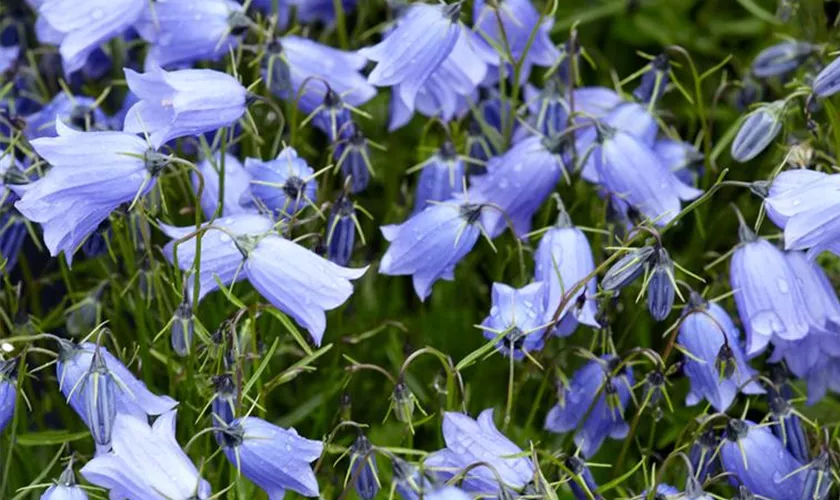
point(548, 107)
point(363, 468)
point(703, 454)
point(130, 394)
point(681, 158)
point(827, 81)
point(767, 293)
point(447, 493)
point(760, 462)
point(594, 380)
point(781, 58)
point(292, 278)
point(758, 129)
point(332, 116)
point(471, 441)
point(411, 52)
point(237, 182)
point(654, 81)
point(341, 231)
point(310, 11)
point(82, 28)
point(9, 49)
point(787, 426)
point(275, 459)
point(517, 183)
point(146, 462)
point(628, 167)
point(409, 483)
point(184, 31)
point(479, 149)
point(578, 467)
point(441, 176)
point(563, 259)
point(65, 487)
point(429, 245)
point(716, 366)
point(520, 314)
point(805, 204)
point(182, 103)
point(77, 112)
point(292, 60)
point(353, 157)
point(283, 186)
point(93, 173)
point(518, 19)
point(8, 392)
point(12, 236)
point(99, 392)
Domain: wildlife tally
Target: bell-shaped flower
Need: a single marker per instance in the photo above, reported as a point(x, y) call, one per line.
point(767, 293)
point(293, 279)
point(787, 426)
point(428, 245)
point(448, 90)
point(236, 184)
point(409, 483)
point(99, 392)
point(182, 103)
point(441, 176)
point(83, 27)
point(363, 468)
point(275, 459)
point(780, 59)
point(294, 64)
point(654, 80)
point(758, 130)
point(519, 18)
point(563, 259)
point(332, 116)
point(93, 173)
point(470, 442)
point(185, 31)
point(146, 462)
point(714, 363)
point(661, 286)
point(352, 155)
point(629, 168)
point(681, 158)
point(703, 454)
point(282, 187)
point(600, 396)
point(578, 467)
point(130, 394)
point(77, 112)
point(447, 493)
point(805, 203)
point(8, 392)
point(341, 231)
point(827, 81)
point(65, 487)
point(548, 107)
point(759, 461)
point(411, 52)
point(520, 315)
point(311, 11)
point(517, 183)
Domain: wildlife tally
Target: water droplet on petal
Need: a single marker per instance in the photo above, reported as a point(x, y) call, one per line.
point(783, 285)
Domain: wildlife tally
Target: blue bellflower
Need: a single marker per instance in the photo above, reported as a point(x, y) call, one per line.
point(65, 487)
point(654, 81)
point(275, 459)
point(352, 155)
point(787, 426)
point(447, 493)
point(760, 461)
point(81, 28)
point(8, 392)
point(237, 182)
point(827, 82)
point(781, 58)
point(302, 61)
point(564, 259)
point(758, 130)
point(93, 173)
point(341, 231)
point(429, 245)
point(441, 176)
point(471, 441)
point(520, 313)
point(518, 19)
point(292, 278)
point(548, 107)
point(182, 103)
point(767, 293)
point(130, 394)
point(595, 379)
point(77, 112)
point(681, 158)
point(185, 31)
point(421, 41)
point(146, 462)
point(517, 183)
point(716, 366)
point(282, 187)
point(363, 468)
point(99, 392)
point(578, 467)
point(310, 11)
point(332, 116)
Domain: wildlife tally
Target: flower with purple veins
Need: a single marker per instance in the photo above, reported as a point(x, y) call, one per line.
point(441, 176)
point(520, 315)
point(780, 59)
point(758, 129)
point(283, 186)
point(146, 462)
point(827, 82)
point(92, 174)
point(275, 459)
point(352, 156)
point(182, 103)
point(237, 183)
point(341, 231)
point(81, 28)
point(65, 487)
point(478, 441)
point(715, 363)
point(185, 31)
point(429, 244)
point(604, 415)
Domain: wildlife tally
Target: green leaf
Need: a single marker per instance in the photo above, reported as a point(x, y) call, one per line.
point(50, 437)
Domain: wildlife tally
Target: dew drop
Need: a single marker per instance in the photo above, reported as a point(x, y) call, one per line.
point(97, 14)
point(783, 285)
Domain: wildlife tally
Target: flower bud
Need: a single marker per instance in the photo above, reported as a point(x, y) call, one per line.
point(100, 399)
point(628, 268)
point(182, 329)
point(781, 58)
point(403, 402)
point(332, 116)
point(827, 81)
point(702, 454)
point(341, 231)
point(654, 80)
point(277, 75)
point(479, 149)
point(353, 157)
point(661, 287)
point(757, 131)
point(818, 478)
point(363, 468)
point(8, 391)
